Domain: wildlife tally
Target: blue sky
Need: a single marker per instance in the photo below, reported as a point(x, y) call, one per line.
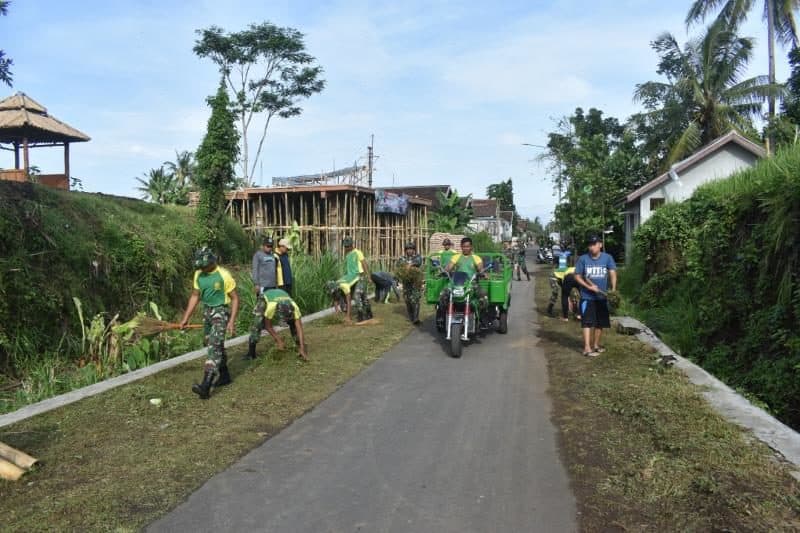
point(449, 88)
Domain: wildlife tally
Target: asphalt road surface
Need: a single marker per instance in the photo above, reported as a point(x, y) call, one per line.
point(418, 442)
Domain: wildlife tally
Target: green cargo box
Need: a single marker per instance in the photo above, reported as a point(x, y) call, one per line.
point(497, 285)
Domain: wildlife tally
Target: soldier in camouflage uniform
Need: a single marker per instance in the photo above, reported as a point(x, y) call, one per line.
point(521, 262)
point(354, 282)
point(508, 253)
point(215, 288)
point(411, 292)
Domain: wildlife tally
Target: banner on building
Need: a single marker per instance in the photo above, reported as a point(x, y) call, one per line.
point(390, 202)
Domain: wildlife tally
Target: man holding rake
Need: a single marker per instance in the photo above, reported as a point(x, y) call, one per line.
point(215, 288)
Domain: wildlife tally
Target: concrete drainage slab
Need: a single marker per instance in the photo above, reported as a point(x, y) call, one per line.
point(724, 400)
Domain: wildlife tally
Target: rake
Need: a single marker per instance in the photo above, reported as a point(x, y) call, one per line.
point(150, 326)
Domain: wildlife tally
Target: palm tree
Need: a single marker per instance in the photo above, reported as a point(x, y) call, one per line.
point(158, 186)
point(779, 15)
point(182, 168)
point(705, 76)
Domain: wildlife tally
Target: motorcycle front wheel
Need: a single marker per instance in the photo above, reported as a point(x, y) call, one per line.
point(455, 340)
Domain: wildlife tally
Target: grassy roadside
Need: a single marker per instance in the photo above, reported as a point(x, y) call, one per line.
point(646, 453)
point(115, 462)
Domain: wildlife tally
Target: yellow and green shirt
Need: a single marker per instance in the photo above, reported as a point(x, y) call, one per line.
point(273, 298)
point(561, 274)
point(470, 264)
point(214, 287)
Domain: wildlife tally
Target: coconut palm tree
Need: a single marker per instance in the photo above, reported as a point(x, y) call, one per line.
point(182, 168)
point(158, 186)
point(779, 15)
point(705, 76)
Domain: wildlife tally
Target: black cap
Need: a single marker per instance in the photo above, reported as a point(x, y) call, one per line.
point(447, 241)
point(594, 239)
point(268, 241)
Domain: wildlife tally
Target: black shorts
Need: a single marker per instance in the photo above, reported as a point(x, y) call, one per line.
point(594, 314)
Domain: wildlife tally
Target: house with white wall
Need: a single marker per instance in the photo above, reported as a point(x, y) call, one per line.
point(715, 161)
point(487, 216)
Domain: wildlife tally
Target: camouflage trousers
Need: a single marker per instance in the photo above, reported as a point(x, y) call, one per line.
point(555, 291)
point(359, 300)
point(215, 320)
point(412, 295)
point(258, 319)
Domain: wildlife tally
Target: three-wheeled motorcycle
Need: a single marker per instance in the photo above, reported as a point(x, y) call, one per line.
point(460, 314)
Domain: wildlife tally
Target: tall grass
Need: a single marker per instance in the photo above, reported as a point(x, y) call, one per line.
point(720, 278)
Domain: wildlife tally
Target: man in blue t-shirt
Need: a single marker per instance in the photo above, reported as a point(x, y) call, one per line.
point(592, 272)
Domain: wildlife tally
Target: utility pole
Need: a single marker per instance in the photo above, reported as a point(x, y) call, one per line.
point(370, 150)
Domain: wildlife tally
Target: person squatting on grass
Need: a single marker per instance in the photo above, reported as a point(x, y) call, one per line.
point(215, 288)
point(266, 274)
point(354, 282)
point(592, 273)
point(281, 307)
point(285, 277)
point(562, 282)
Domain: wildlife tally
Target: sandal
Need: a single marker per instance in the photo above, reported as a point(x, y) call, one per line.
point(600, 349)
point(591, 354)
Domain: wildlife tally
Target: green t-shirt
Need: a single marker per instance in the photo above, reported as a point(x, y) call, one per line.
point(353, 266)
point(273, 297)
point(470, 264)
point(214, 286)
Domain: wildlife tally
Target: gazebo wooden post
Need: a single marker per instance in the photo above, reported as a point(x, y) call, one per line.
point(66, 160)
point(25, 158)
point(16, 155)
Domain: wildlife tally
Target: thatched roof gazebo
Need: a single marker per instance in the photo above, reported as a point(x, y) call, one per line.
point(24, 123)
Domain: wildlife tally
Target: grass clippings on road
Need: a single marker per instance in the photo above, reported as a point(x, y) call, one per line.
point(644, 450)
point(115, 462)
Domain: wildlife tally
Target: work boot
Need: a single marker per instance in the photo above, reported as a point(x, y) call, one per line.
point(251, 352)
point(550, 310)
point(224, 376)
point(204, 389)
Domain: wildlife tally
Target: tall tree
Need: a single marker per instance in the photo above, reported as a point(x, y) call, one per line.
point(269, 72)
point(706, 77)
point(599, 162)
point(5, 62)
point(503, 192)
point(779, 15)
point(216, 159)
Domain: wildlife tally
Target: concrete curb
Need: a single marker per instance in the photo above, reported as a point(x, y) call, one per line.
point(724, 400)
point(91, 390)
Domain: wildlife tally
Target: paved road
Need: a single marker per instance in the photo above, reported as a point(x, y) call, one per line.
point(418, 442)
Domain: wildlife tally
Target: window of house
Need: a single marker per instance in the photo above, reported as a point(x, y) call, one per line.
point(655, 203)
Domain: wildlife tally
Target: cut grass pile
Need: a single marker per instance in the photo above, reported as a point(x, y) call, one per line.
point(115, 462)
point(645, 451)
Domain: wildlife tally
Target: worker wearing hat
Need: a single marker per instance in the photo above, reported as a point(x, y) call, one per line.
point(285, 276)
point(592, 273)
point(281, 308)
point(354, 282)
point(266, 273)
point(215, 288)
point(412, 290)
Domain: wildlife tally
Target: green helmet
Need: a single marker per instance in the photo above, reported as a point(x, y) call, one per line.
point(347, 241)
point(204, 257)
point(411, 245)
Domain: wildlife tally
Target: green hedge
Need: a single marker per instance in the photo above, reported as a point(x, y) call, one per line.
point(717, 275)
point(115, 254)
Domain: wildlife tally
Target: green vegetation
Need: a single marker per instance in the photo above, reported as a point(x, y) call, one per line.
point(269, 73)
point(453, 215)
point(719, 277)
point(115, 462)
point(215, 173)
point(5, 62)
point(644, 449)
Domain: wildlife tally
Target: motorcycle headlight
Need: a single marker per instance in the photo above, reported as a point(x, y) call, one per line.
point(458, 291)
